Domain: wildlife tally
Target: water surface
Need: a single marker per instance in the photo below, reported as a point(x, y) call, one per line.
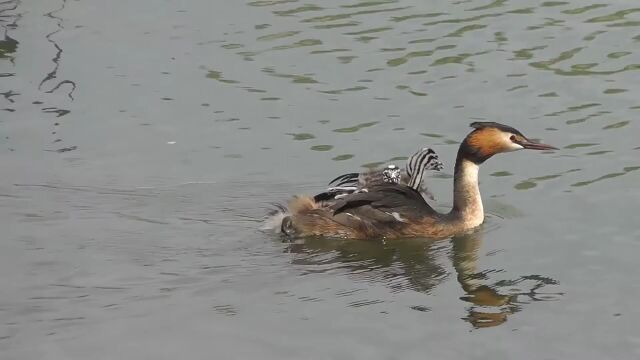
point(142, 142)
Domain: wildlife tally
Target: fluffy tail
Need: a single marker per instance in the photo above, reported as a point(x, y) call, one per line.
point(301, 204)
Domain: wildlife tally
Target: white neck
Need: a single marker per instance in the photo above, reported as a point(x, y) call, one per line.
point(467, 203)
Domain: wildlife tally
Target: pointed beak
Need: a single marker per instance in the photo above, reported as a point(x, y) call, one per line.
point(532, 145)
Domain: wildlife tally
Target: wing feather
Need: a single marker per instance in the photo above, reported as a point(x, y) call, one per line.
point(406, 202)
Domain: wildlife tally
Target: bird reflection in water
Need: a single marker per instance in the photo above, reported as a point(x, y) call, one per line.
point(492, 304)
point(415, 264)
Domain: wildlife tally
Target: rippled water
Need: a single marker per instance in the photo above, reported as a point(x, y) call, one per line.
point(142, 142)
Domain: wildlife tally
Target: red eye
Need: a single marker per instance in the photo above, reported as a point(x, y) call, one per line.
point(513, 138)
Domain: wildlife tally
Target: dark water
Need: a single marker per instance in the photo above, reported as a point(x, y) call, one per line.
point(141, 142)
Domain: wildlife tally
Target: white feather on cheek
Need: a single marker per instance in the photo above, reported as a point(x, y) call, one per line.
point(509, 144)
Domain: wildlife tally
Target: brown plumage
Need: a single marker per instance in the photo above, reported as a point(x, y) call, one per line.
point(396, 210)
point(374, 214)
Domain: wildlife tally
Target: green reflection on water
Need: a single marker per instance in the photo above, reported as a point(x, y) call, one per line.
point(253, 90)
point(467, 28)
point(296, 79)
point(232, 46)
point(417, 93)
point(457, 21)
point(625, 24)
point(457, 59)
point(432, 135)
point(417, 16)
point(565, 55)
point(318, 52)
point(494, 4)
point(583, 9)
point(327, 18)
point(583, 66)
point(500, 37)
point(553, 3)
point(270, 2)
point(217, 75)
point(401, 60)
point(302, 136)
point(303, 8)
point(365, 39)
point(593, 35)
point(517, 88)
point(369, 31)
point(614, 91)
point(339, 25)
point(525, 185)
point(392, 49)
point(501, 173)
point(369, 3)
point(602, 152)
point(423, 41)
point(574, 73)
point(619, 15)
point(8, 46)
point(529, 10)
point(546, 177)
point(276, 36)
point(341, 91)
point(321, 147)
point(574, 108)
point(585, 118)
point(616, 125)
point(373, 165)
point(527, 54)
point(298, 44)
point(607, 176)
point(342, 157)
point(355, 128)
point(547, 23)
point(532, 182)
point(618, 55)
point(398, 158)
point(346, 59)
point(580, 145)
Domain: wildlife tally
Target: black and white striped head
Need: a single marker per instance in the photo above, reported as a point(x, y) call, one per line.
point(423, 159)
point(391, 174)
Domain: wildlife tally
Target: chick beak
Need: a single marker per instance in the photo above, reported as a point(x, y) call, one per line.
point(532, 145)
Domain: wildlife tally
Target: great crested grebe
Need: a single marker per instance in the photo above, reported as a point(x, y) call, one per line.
point(412, 175)
point(394, 210)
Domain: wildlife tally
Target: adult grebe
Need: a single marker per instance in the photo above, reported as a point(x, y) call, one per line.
point(395, 210)
point(412, 175)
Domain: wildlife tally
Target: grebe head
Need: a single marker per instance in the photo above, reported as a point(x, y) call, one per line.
point(425, 158)
point(490, 138)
